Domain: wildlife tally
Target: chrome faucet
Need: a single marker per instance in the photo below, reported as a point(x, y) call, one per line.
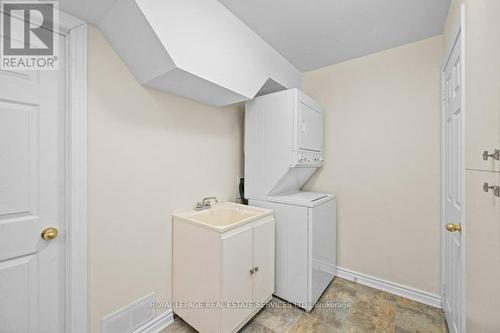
point(205, 203)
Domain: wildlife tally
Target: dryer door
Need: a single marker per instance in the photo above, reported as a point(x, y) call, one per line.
point(310, 129)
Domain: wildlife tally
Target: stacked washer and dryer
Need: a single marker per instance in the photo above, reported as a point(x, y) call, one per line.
point(283, 148)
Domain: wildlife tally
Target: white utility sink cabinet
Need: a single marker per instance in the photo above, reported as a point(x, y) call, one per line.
point(223, 265)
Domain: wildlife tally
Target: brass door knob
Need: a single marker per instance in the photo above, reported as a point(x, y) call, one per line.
point(49, 233)
point(453, 227)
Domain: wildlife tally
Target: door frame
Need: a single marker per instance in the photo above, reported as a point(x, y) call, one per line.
point(459, 32)
point(75, 31)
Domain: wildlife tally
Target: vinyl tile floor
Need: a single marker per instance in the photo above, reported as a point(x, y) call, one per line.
point(345, 306)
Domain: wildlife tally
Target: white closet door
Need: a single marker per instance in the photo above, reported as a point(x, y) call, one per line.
point(32, 198)
point(454, 189)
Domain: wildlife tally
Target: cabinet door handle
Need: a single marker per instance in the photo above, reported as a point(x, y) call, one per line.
point(256, 269)
point(495, 155)
point(487, 187)
point(495, 188)
point(252, 271)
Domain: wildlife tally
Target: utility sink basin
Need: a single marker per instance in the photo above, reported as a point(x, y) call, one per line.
point(224, 216)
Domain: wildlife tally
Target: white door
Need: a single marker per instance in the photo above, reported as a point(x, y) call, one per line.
point(263, 261)
point(454, 188)
point(32, 198)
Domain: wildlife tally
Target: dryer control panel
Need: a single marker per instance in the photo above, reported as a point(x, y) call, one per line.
point(309, 158)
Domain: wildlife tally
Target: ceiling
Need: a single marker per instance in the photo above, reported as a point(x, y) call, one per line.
point(316, 33)
point(91, 11)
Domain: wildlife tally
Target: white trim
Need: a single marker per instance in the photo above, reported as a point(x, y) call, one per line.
point(390, 287)
point(464, 209)
point(156, 324)
point(65, 22)
point(443, 187)
point(68, 22)
point(458, 33)
point(76, 172)
point(324, 266)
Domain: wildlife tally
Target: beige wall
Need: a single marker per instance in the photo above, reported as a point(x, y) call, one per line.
point(382, 149)
point(482, 123)
point(150, 153)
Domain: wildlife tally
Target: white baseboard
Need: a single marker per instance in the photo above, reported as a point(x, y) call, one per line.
point(391, 287)
point(137, 317)
point(156, 324)
point(324, 266)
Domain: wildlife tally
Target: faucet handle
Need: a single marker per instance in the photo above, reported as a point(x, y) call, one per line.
point(206, 201)
point(199, 205)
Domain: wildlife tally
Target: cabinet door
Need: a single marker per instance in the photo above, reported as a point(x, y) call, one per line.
point(263, 247)
point(482, 247)
point(237, 261)
point(482, 84)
